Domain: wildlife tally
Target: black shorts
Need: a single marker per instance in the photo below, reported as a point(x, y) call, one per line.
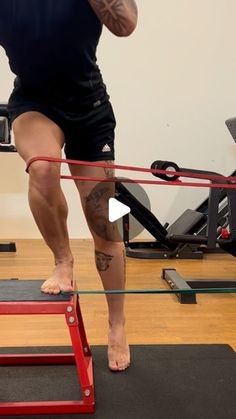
point(89, 129)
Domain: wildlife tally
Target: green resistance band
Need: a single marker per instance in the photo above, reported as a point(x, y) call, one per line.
point(154, 291)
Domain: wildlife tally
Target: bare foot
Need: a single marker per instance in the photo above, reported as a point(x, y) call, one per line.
point(118, 349)
point(61, 280)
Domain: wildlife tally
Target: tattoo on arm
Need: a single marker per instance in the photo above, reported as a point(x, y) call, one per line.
point(120, 16)
point(103, 261)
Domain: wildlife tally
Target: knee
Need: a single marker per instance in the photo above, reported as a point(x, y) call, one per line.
point(19, 124)
point(44, 175)
point(103, 231)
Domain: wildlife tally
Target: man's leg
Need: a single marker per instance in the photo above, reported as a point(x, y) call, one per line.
point(36, 135)
point(109, 257)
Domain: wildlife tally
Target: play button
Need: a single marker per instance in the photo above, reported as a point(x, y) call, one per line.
point(107, 205)
point(116, 210)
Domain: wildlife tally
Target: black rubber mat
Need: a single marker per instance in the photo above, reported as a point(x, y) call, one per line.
point(163, 382)
point(26, 290)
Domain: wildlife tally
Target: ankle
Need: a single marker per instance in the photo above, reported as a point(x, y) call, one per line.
point(69, 261)
point(116, 321)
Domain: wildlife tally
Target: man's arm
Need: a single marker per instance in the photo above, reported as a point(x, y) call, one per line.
point(119, 16)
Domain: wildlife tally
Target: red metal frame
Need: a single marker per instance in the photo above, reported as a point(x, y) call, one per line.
point(81, 357)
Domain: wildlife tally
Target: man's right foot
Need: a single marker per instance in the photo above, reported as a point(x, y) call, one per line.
point(61, 280)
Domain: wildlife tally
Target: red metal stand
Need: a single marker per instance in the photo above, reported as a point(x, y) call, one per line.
point(81, 356)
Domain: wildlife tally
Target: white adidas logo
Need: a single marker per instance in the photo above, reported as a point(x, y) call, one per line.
point(106, 148)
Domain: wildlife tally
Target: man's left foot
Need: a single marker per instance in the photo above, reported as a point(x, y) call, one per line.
point(118, 349)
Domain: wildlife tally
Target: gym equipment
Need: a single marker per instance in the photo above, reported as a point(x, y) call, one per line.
point(24, 297)
point(5, 131)
point(5, 138)
point(8, 247)
point(227, 239)
point(162, 248)
point(187, 289)
point(209, 218)
point(214, 231)
point(227, 242)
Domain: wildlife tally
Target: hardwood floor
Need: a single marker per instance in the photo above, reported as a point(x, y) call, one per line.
point(155, 319)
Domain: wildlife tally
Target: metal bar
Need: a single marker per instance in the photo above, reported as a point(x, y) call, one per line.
point(49, 407)
point(82, 359)
point(185, 287)
point(8, 247)
point(178, 285)
point(211, 283)
point(232, 214)
point(34, 307)
point(37, 359)
point(83, 337)
point(212, 219)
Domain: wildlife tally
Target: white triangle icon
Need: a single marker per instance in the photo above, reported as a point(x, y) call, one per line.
point(116, 210)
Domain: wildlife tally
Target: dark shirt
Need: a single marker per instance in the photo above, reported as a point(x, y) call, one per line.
point(51, 46)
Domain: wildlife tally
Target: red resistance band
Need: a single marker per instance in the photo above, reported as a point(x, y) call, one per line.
point(224, 182)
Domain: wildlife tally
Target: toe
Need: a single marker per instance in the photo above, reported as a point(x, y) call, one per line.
point(67, 288)
point(113, 366)
point(123, 363)
point(112, 362)
point(118, 361)
point(56, 291)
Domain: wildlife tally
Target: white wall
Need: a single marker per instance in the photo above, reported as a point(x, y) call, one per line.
point(172, 84)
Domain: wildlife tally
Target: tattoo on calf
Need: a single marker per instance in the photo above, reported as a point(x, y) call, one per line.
point(94, 197)
point(96, 212)
point(103, 261)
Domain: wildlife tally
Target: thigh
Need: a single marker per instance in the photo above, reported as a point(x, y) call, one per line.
point(36, 135)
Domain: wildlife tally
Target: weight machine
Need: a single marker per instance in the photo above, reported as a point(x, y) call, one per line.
point(6, 147)
point(208, 219)
point(227, 241)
